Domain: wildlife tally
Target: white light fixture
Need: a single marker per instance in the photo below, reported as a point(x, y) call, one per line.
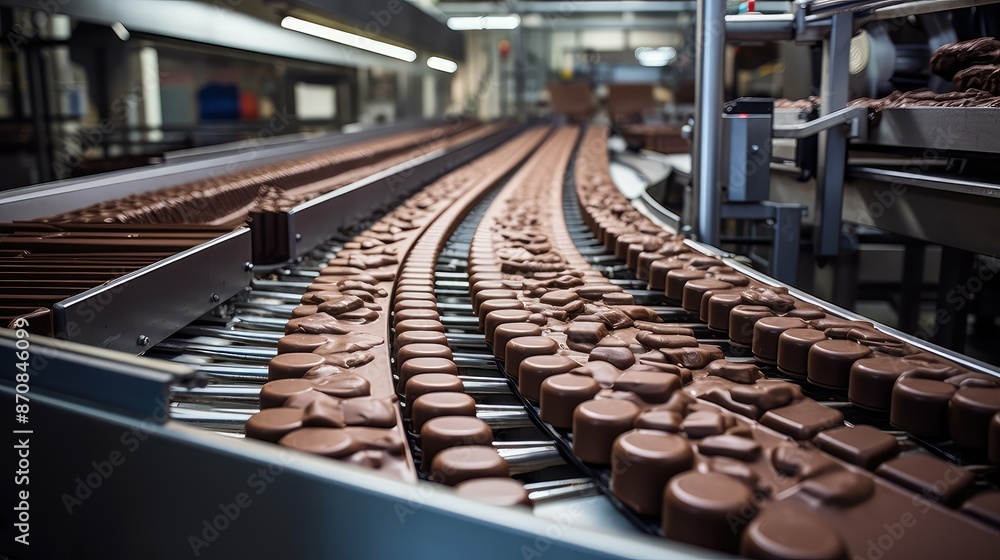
point(349, 39)
point(662, 56)
point(472, 23)
point(442, 64)
point(119, 29)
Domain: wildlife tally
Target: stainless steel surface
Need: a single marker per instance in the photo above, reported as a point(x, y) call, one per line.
point(926, 180)
point(938, 129)
point(157, 300)
point(709, 64)
point(856, 118)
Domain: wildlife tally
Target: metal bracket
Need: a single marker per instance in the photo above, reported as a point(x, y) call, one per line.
point(855, 117)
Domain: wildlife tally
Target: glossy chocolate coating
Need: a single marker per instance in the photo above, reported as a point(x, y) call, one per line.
point(929, 476)
point(830, 362)
point(802, 419)
point(719, 308)
point(698, 507)
point(786, 532)
point(920, 406)
point(466, 462)
point(421, 337)
point(519, 348)
point(969, 413)
point(872, 380)
point(411, 351)
point(433, 405)
point(507, 332)
point(793, 350)
point(642, 462)
point(275, 393)
point(418, 366)
point(329, 442)
point(273, 423)
point(536, 369)
point(861, 445)
point(500, 317)
point(695, 289)
point(505, 492)
point(766, 333)
point(440, 433)
point(984, 506)
point(301, 342)
point(291, 366)
point(597, 423)
point(741, 322)
point(676, 280)
point(432, 383)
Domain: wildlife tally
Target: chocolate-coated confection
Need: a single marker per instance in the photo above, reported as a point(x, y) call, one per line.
point(412, 304)
point(524, 347)
point(536, 369)
point(486, 295)
point(505, 333)
point(466, 462)
point(658, 271)
point(719, 307)
point(766, 394)
point(830, 362)
point(418, 325)
point(618, 356)
point(698, 508)
point(502, 317)
point(432, 383)
point(661, 328)
point(415, 315)
point(596, 424)
point(301, 342)
point(932, 478)
point(421, 337)
point(657, 341)
point(693, 358)
point(704, 423)
point(300, 311)
point(411, 351)
point(741, 322)
point(618, 298)
point(495, 305)
point(417, 366)
point(969, 413)
point(783, 531)
point(872, 380)
point(559, 298)
point(642, 462)
point(329, 442)
point(994, 435)
point(950, 58)
point(802, 419)
point(984, 506)
point(766, 333)
point(343, 386)
point(660, 419)
point(440, 433)
point(695, 289)
point(503, 492)
point(742, 373)
point(793, 350)
point(839, 488)
point(273, 423)
point(676, 280)
point(294, 365)
point(860, 445)
point(735, 447)
point(974, 379)
point(275, 393)
point(433, 405)
point(583, 336)
point(651, 386)
point(920, 406)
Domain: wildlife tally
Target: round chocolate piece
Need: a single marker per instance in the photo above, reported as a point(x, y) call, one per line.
point(416, 295)
point(560, 395)
point(424, 383)
point(411, 351)
point(415, 315)
point(412, 304)
point(301, 342)
point(495, 305)
point(438, 434)
point(741, 321)
point(658, 273)
point(766, 333)
point(536, 369)
point(466, 462)
point(641, 464)
point(969, 415)
point(343, 386)
point(509, 331)
point(698, 508)
point(291, 366)
point(486, 295)
point(994, 446)
point(524, 347)
point(433, 405)
point(872, 380)
point(695, 289)
point(502, 317)
point(418, 325)
point(793, 350)
point(329, 442)
point(920, 406)
point(784, 532)
point(420, 337)
point(596, 424)
point(830, 362)
point(719, 308)
point(418, 366)
point(485, 285)
point(676, 280)
point(272, 423)
point(504, 492)
point(304, 311)
point(274, 393)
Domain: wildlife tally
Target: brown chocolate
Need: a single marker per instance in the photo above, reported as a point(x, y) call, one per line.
point(642, 462)
point(698, 508)
point(466, 462)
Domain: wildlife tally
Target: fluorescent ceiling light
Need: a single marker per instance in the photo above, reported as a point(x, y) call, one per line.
point(349, 39)
point(442, 64)
point(648, 56)
point(484, 22)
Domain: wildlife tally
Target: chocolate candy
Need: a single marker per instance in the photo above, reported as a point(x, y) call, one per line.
point(524, 347)
point(793, 350)
point(536, 369)
point(872, 380)
point(560, 395)
point(273, 423)
point(431, 383)
point(641, 464)
point(329, 442)
point(985, 507)
point(433, 405)
point(929, 476)
point(505, 333)
point(802, 419)
point(920, 406)
point(422, 337)
point(301, 342)
point(695, 289)
point(785, 531)
point(830, 362)
point(596, 424)
point(741, 322)
point(969, 413)
point(412, 351)
point(501, 317)
point(294, 365)
point(274, 393)
point(698, 508)
point(676, 280)
point(863, 446)
point(466, 462)
point(438, 434)
point(419, 366)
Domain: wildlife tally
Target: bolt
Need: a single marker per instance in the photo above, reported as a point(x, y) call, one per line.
point(216, 298)
point(754, 148)
point(143, 340)
point(248, 266)
point(298, 237)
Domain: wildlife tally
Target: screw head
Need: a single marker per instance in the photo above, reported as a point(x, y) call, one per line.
point(216, 298)
point(248, 266)
point(143, 340)
point(298, 237)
